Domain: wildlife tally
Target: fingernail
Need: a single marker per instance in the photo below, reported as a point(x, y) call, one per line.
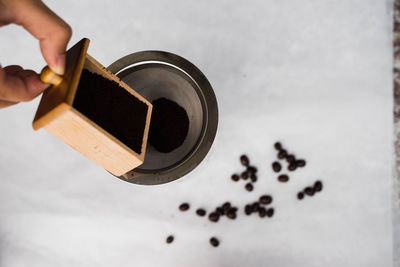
point(60, 67)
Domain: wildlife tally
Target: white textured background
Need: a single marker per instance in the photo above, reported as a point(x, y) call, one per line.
point(314, 74)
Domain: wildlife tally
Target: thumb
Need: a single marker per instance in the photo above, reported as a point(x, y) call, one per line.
point(52, 32)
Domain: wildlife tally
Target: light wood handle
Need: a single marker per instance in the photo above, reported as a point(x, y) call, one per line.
point(49, 76)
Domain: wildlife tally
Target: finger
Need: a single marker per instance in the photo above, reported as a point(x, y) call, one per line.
point(21, 86)
point(13, 69)
point(4, 103)
point(52, 32)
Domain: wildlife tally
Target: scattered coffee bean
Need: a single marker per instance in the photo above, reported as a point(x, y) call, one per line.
point(200, 212)
point(253, 178)
point(244, 175)
point(235, 177)
point(249, 187)
point(265, 199)
point(292, 166)
point(282, 154)
point(318, 186)
point(170, 239)
point(244, 160)
point(262, 212)
point(252, 169)
point(309, 191)
point(278, 146)
point(220, 211)
point(276, 166)
point(214, 242)
point(255, 206)
point(300, 163)
point(290, 158)
point(184, 207)
point(300, 195)
point(283, 178)
point(231, 214)
point(226, 206)
point(214, 217)
point(248, 209)
point(270, 212)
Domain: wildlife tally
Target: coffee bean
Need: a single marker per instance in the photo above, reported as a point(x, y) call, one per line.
point(270, 212)
point(265, 199)
point(300, 195)
point(244, 160)
point(231, 214)
point(300, 163)
point(255, 206)
point(244, 175)
point(226, 206)
point(290, 158)
point(252, 169)
point(170, 239)
point(235, 177)
point(276, 166)
point(214, 217)
point(249, 187)
point(253, 178)
point(214, 242)
point(318, 186)
point(309, 191)
point(248, 209)
point(278, 146)
point(283, 178)
point(184, 207)
point(292, 166)
point(220, 211)
point(200, 212)
point(282, 154)
point(262, 212)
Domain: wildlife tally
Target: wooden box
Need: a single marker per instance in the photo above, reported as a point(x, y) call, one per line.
point(57, 115)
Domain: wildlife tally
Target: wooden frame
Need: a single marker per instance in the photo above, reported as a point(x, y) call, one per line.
point(57, 115)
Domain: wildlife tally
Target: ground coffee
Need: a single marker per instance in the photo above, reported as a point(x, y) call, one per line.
point(169, 125)
point(113, 108)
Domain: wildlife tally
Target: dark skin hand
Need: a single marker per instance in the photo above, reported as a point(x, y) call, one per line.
point(20, 85)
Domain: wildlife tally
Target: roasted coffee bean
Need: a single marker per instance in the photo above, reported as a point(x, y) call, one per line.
point(309, 191)
point(249, 187)
point(255, 206)
point(244, 160)
point(184, 207)
point(278, 146)
point(276, 166)
point(270, 212)
point(265, 199)
point(300, 163)
point(220, 211)
point(244, 175)
point(214, 242)
point(292, 166)
point(248, 209)
point(318, 186)
point(214, 217)
point(300, 195)
point(252, 169)
point(231, 214)
point(282, 154)
point(170, 239)
point(235, 177)
point(283, 178)
point(226, 206)
point(262, 212)
point(253, 178)
point(200, 212)
point(290, 158)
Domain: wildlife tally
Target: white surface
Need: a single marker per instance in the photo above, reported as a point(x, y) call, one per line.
point(314, 74)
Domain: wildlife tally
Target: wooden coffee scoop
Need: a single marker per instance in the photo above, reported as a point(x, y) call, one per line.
point(58, 116)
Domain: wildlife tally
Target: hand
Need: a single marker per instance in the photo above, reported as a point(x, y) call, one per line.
point(17, 84)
